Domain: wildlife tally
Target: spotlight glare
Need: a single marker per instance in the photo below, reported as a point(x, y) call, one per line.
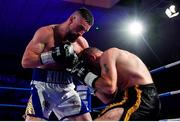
point(135, 28)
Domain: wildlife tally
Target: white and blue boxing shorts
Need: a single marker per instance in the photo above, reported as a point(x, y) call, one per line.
point(54, 91)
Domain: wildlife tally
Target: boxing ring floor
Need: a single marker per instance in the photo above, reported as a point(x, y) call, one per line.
point(14, 99)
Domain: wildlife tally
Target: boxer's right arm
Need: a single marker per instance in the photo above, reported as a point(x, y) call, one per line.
point(35, 55)
point(63, 52)
point(31, 56)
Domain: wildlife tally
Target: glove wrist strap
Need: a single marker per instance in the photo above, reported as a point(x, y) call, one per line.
point(90, 78)
point(46, 58)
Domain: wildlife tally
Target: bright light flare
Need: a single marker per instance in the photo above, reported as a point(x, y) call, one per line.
point(135, 28)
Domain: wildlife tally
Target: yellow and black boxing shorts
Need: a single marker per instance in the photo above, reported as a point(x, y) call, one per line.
point(140, 103)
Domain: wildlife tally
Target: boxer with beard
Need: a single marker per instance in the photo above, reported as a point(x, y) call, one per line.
point(53, 49)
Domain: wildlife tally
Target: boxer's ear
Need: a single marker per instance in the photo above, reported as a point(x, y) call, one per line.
point(92, 58)
point(71, 19)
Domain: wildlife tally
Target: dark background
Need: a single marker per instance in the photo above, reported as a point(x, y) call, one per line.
point(159, 46)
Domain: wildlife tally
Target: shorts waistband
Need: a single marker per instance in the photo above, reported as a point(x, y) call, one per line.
point(51, 76)
point(151, 85)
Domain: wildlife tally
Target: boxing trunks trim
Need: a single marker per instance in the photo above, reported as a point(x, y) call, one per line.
point(51, 76)
point(140, 102)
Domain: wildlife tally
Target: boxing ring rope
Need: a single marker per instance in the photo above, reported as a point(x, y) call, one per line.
point(14, 88)
point(12, 105)
point(171, 93)
point(162, 68)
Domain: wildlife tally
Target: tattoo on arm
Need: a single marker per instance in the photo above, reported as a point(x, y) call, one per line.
point(106, 68)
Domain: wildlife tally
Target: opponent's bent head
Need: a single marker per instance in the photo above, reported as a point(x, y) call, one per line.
point(91, 57)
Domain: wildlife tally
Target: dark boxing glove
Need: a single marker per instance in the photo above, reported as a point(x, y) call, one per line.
point(62, 53)
point(83, 73)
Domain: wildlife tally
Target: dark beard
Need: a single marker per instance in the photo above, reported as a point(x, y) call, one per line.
point(71, 37)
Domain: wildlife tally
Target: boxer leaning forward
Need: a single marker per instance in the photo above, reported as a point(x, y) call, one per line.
point(122, 81)
point(53, 49)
